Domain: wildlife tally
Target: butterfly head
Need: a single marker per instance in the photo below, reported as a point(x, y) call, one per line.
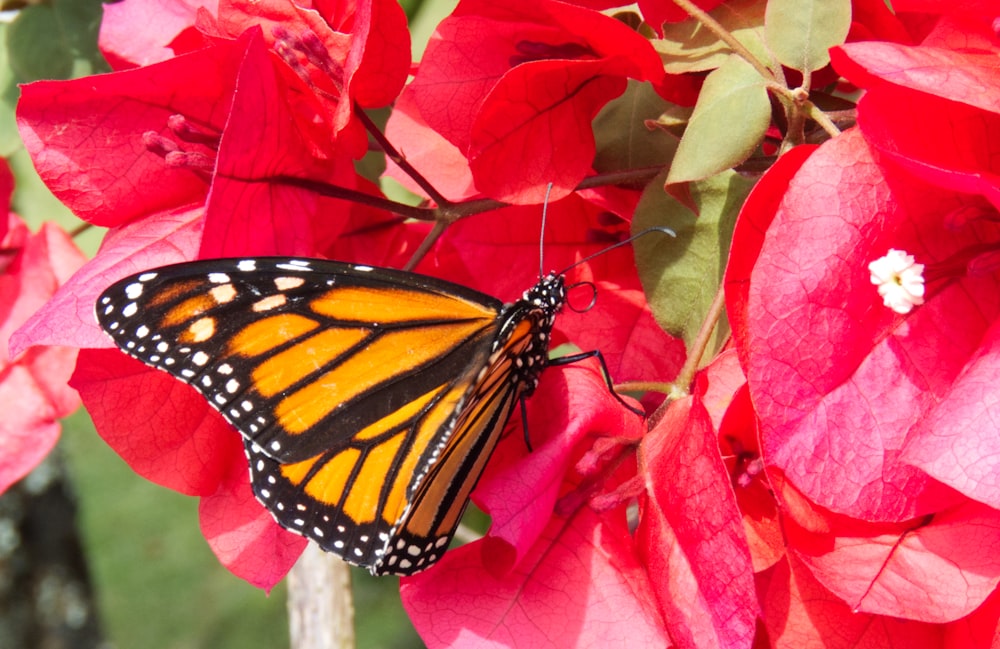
point(525, 329)
point(547, 296)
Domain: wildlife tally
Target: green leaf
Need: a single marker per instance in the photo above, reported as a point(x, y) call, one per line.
point(801, 32)
point(624, 141)
point(682, 276)
point(36, 50)
point(55, 40)
point(424, 19)
point(689, 47)
point(10, 141)
point(729, 121)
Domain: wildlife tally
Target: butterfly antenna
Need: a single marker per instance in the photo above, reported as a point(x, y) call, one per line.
point(660, 229)
point(541, 237)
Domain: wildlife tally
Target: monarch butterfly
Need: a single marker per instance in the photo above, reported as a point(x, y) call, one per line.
point(369, 399)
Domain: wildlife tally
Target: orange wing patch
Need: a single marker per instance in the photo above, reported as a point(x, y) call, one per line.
point(396, 304)
point(379, 362)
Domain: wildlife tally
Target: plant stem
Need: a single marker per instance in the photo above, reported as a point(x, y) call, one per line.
point(320, 602)
point(682, 386)
point(713, 26)
point(399, 158)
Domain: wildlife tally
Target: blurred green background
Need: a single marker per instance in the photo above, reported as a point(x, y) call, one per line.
point(157, 583)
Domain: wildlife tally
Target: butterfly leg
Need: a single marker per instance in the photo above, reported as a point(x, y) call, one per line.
point(596, 353)
point(524, 423)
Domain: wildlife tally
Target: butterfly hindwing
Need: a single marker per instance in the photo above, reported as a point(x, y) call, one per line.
point(369, 399)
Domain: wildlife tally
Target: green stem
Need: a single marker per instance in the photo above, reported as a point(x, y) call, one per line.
point(713, 26)
point(682, 386)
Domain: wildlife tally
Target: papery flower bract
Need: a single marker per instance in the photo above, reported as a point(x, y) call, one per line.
point(97, 125)
point(864, 417)
point(799, 611)
point(503, 590)
point(349, 53)
point(900, 280)
point(33, 383)
point(725, 396)
point(515, 87)
point(690, 534)
point(136, 33)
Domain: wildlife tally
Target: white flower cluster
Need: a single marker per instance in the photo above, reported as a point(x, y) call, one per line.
point(900, 281)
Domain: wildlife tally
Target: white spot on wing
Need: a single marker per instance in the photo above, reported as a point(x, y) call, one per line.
point(269, 302)
point(223, 293)
point(133, 291)
point(295, 265)
point(287, 283)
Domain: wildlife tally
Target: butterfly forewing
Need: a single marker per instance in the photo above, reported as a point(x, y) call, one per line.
point(271, 345)
point(370, 399)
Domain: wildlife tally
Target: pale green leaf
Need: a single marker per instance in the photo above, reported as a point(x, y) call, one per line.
point(681, 276)
point(801, 32)
point(624, 141)
point(728, 123)
point(424, 17)
point(689, 47)
point(56, 40)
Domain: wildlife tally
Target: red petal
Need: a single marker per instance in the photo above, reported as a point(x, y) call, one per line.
point(490, 83)
point(439, 161)
point(161, 427)
point(965, 77)
point(748, 236)
point(252, 209)
point(935, 572)
point(33, 389)
point(244, 535)
point(85, 135)
point(68, 317)
point(908, 86)
point(579, 586)
point(952, 442)
point(534, 128)
point(29, 428)
point(690, 534)
point(141, 33)
point(838, 380)
point(520, 488)
point(799, 612)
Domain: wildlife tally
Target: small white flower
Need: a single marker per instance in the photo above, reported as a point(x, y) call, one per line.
point(900, 281)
